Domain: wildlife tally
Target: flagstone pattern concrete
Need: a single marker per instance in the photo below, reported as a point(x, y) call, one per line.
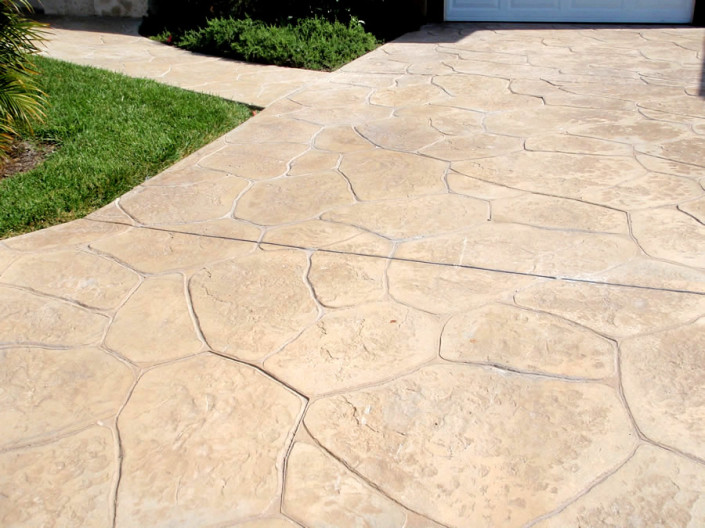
point(115, 44)
point(459, 282)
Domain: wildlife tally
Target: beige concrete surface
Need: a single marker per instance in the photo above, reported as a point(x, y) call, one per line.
point(115, 44)
point(458, 283)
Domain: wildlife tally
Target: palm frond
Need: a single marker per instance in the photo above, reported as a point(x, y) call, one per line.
point(21, 99)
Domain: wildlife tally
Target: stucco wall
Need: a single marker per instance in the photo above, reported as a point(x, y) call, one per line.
point(126, 8)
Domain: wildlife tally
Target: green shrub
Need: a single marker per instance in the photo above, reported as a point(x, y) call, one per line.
point(21, 100)
point(312, 43)
point(386, 19)
point(180, 15)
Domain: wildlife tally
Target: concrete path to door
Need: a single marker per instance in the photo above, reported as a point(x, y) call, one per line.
point(459, 282)
point(115, 44)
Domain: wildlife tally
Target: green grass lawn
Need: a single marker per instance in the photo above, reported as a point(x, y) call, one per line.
point(112, 133)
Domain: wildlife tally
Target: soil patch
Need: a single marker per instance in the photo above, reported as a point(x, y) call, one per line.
point(24, 156)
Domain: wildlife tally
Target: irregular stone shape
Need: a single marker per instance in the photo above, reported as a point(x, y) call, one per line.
point(504, 71)
point(524, 249)
point(655, 488)
point(665, 166)
point(327, 95)
point(534, 87)
point(629, 91)
point(613, 310)
point(373, 64)
point(604, 103)
point(529, 341)
point(410, 95)
point(399, 133)
point(321, 492)
point(187, 175)
point(635, 132)
point(30, 319)
point(449, 289)
point(671, 235)
point(54, 391)
point(657, 115)
point(346, 280)
point(78, 232)
point(444, 249)
point(316, 234)
point(255, 162)
point(664, 382)
point(688, 150)
point(155, 325)
point(365, 243)
point(527, 122)
point(653, 190)
point(487, 102)
point(84, 278)
point(462, 184)
point(314, 161)
point(268, 522)
point(473, 147)
point(65, 483)
point(342, 115)
point(577, 145)
point(189, 162)
point(249, 307)
point(651, 273)
point(471, 446)
point(203, 443)
point(341, 139)
point(228, 228)
point(382, 80)
point(695, 208)
point(191, 203)
point(447, 120)
point(356, 346)
point(269, 129)
point(7, 257)
point(112, 213)
point(502, 58)
point(415, 217)
point(568, 175)
point(382, 174)
point(293, 199)
point(481, 93)
point(156, 251)
point(690, 106)
point(559, 213)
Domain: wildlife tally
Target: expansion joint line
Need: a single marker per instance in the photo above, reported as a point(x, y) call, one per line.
point(472, 267)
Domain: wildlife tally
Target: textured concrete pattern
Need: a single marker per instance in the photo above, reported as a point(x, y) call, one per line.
point(115, 44)
point(458, 283)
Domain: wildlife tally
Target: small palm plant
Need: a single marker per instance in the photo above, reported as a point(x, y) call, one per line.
point(21, 99)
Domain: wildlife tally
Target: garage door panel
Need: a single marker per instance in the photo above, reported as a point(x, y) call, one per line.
point(625, 11)
point(596, 4)
point(534, 4)
point(659, 4)
point(477, 4)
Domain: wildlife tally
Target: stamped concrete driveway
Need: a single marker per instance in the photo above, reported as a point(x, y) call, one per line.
point(459, 282)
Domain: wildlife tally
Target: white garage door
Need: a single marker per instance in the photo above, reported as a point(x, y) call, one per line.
point(646, 11)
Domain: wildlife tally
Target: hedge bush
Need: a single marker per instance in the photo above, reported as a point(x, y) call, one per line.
point(383, 18)
point(311, 43)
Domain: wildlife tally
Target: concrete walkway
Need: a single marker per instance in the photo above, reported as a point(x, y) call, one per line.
point(459, 282)
point(115, 44)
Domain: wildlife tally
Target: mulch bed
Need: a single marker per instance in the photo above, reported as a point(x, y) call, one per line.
point(24, 156)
